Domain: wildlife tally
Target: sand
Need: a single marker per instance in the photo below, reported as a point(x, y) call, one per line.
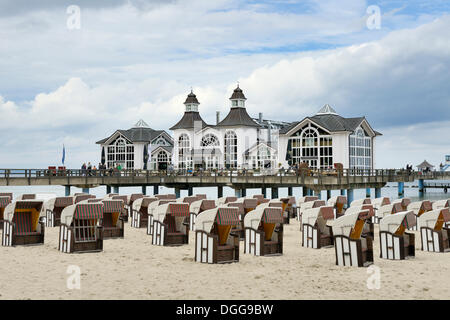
point(132, 268)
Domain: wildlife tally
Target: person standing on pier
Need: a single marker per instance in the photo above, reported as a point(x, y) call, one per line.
point(83, 169)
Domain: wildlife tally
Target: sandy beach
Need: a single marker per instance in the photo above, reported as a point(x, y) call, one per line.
point(132, 268)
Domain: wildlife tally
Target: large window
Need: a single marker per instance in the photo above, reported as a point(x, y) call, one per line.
point(209, 140)
point(313, 146)
point(230, 149)
point(360, 150)
point(184, 152)
point(120, 152)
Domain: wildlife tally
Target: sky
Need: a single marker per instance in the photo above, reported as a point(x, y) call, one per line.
point(69, 81)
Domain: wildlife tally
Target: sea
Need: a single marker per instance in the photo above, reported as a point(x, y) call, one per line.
point(390, 190)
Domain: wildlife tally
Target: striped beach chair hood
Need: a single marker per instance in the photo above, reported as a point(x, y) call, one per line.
point(429, 219)
point(310, 216)
point(176, 209)
point(82, 210)
point(264, 214)
point(222, 215)
point(392, 222)
point(10, 209)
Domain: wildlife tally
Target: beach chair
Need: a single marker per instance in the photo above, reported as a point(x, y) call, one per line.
point(264, 232)
point(4, 201)
point(439, 204)
point(214, 243)
point(351, 249)
point(53, 208)
point(151, 211)
point(377, 204)
point(395, 243)
point(112, 221)
point(338, 203)
point(82, 197)
point(81, 229)
point(247, 204)
point(369, 228)
point(169, 225)
point(388, 209)
point(22, 224)
point(303, 200)
point(404, 202)
point(419, 207)
point(139, 218)
point(291, 208)
point(125, 210)
point(197, 207)
point(433, 232)
point(309, 205)
point(360, 202)
point(132, 198)
point(316, 233)
point(224, 200)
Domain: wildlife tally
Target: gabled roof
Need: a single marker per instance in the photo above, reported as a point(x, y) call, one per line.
point(238, 116)
point(165, 148)
point(259, 144)
point(141, 134)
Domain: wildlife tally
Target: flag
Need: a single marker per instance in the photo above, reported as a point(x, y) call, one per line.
point(64, 154)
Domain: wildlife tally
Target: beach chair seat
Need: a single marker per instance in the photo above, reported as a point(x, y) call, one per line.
point(169, 225)
point(434, 234)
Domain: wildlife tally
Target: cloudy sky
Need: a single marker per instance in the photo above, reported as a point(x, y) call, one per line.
point(139, 58)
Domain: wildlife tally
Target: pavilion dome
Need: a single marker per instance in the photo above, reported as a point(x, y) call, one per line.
point(238, 94)
point(191, 99)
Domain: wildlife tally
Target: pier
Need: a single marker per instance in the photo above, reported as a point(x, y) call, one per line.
point(311, 181)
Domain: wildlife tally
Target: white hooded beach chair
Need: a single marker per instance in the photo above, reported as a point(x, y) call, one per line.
point(80, 229)
point(214, 243)
point(433, 233)
point(395, 243)
point(4, 201)
point(113, 218)
point(264, 231)
point(316, 232)
point(419, 207)
point(441, 204)
point(360, 202)
point(197, 207)
point(169, 225)
point(377, 204)
point(139, 217)
point(22, 224)
point(352, 249)
point(126, 209)
point(338, 203)
point(404, 202)
point(247, 205)
point(388, 209)
point(302, 200)
point(290, 208)
point(224, 200)
point(53, 208)
point(308, 205)
point(131, 199)
point(151, 211)
point(368, 229)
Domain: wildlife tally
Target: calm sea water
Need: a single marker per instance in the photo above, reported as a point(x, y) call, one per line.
point(411, 191)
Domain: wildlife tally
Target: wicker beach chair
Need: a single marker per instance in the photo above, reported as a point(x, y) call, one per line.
point(351, 249)
point(113, 218)
point(434, 234)
point(196, 208)
point(338, 203)
point(245, 206)
point(441, 204)
point(126, 209)
point(132, 198)
point(419, 208)
point(169, 225)
point(151, 211)
point(395, 243)
point(4, 201)
point(139, 218)
point(316, 232)
point(22, 224)
point(81, 229)
point(377, 204)
point(264, 232)
point(291, 208)
point(369, 228)
point(53, 208)
point(309, 205)
point(388, 209)
point(214, 243)
point(303, 200)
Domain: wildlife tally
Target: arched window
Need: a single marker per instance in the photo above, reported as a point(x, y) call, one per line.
point(209, 140)
point(360, 150)
point(120, 152)
point(311, 145)
point(184, 152)
point(230, 143)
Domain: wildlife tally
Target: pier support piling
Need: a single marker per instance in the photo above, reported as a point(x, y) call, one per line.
point(342, 192)
point(85, 190)
point(219, 192)
point(244, 192)
point(238, 193)
point(401, 189)
point(177, 192)
point(377, 192)
point(108, 189)
point(116, 189)
point(274, 193)
point(155, 190)
point(421, 187)
point(67, 189)
point(318, 194)
point(144, 190)
point(349, 197)
point(290, 191)
point(304, 191)
point(190, 191)
point(264, 192)
point(367, 192)
point(328, 194)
